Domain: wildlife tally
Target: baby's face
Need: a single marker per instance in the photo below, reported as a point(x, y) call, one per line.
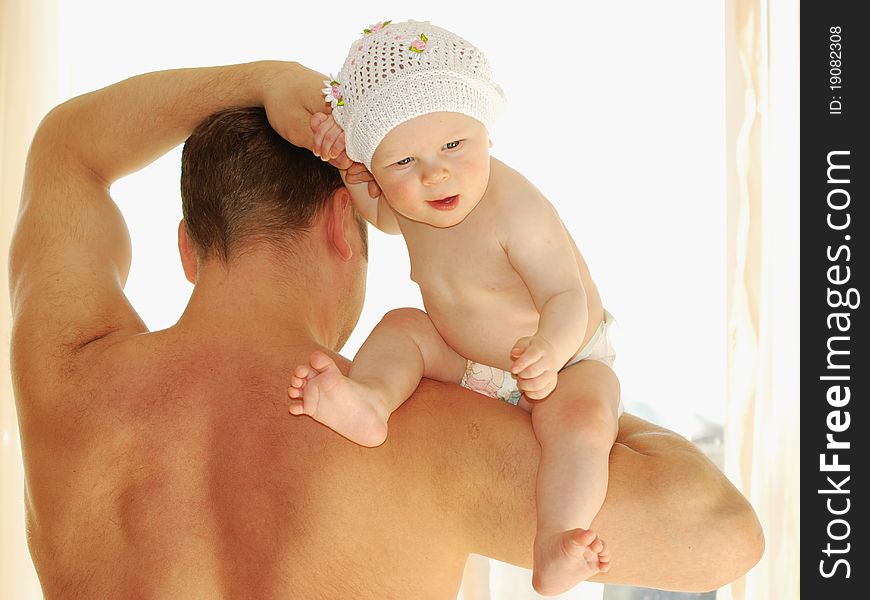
point(435, 168)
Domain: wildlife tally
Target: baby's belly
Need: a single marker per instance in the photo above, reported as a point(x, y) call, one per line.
point(483, 328)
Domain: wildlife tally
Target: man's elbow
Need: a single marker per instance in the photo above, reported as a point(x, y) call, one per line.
point(46, 137)
point(743, 543)
point(733, 541)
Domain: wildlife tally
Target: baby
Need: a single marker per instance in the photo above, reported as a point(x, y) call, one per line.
point(511, 309)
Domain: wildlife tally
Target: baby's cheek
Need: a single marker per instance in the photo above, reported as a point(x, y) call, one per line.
point(387, 183)
point(396, 192)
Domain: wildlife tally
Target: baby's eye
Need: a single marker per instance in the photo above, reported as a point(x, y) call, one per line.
point(404, 161)
point(453, 145)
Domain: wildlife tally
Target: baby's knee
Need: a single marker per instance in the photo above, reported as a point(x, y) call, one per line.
point(407, 319)
point(590, 421)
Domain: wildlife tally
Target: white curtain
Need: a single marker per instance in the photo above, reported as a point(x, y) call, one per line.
point(762, 423)
point(27, 92)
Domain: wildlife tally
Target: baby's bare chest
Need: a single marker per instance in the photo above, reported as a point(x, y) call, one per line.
point(463, 269)
point(476, 300)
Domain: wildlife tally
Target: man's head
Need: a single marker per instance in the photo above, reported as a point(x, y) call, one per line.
point(243, 184)
point(247, 194)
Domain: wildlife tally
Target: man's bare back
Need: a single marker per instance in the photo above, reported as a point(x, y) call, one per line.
point(165, 465)
point(182, 477)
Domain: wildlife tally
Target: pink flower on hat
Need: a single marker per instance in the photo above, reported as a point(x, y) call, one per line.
point(376, 27)
point(419, 44)
point(333, 92)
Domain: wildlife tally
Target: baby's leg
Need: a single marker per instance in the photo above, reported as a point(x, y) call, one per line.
point(404, 347)
point(576, 426)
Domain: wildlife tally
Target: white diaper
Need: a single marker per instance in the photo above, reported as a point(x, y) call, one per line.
point(496, 383)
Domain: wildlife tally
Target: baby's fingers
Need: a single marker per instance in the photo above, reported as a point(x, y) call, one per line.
point(327, 126)
point(538, 387)
point(525, 358)
point(342, 163)
point(536, 369)
point(333, 143)
point(317, 120)
point(357, 173)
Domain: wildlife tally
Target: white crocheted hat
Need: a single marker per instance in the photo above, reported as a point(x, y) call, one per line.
point(398, 71)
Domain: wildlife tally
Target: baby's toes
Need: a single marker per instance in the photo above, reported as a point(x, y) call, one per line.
point(583, 537)
point(301, 372)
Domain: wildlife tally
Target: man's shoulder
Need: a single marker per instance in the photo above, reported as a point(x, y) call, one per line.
point(56, 380)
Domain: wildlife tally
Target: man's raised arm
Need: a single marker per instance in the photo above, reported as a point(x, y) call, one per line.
point(70, 253)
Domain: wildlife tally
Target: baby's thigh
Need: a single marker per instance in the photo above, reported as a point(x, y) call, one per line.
point(440, 361)
point(586, 399)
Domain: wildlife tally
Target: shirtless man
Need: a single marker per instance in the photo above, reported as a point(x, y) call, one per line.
point(164, 464)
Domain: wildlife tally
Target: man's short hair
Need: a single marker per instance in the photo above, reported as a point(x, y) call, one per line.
point(242, 182)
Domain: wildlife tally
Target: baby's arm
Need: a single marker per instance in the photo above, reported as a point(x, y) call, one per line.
point(540, 250)
point(329, 144)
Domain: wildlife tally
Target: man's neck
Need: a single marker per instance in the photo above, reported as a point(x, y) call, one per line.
point(256, 298)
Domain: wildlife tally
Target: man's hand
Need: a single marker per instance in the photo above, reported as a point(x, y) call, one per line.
point(292, 96)
point(534, 364)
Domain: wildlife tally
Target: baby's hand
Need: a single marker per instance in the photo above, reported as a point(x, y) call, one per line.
point(329, 145)
point(357, 173)
point(534, 364)
point(328, 137)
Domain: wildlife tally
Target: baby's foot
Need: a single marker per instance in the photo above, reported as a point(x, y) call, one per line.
point(565, 558)
point(349, 408)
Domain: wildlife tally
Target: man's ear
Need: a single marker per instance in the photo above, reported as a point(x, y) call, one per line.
point(338, 210)
point(188, 254)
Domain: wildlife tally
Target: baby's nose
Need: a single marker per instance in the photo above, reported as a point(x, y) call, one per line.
point(435, 175)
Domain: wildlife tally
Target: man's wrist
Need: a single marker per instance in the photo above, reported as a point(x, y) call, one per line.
point(265, 76)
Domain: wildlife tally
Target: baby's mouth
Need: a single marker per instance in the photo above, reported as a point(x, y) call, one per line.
point(447, 203)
